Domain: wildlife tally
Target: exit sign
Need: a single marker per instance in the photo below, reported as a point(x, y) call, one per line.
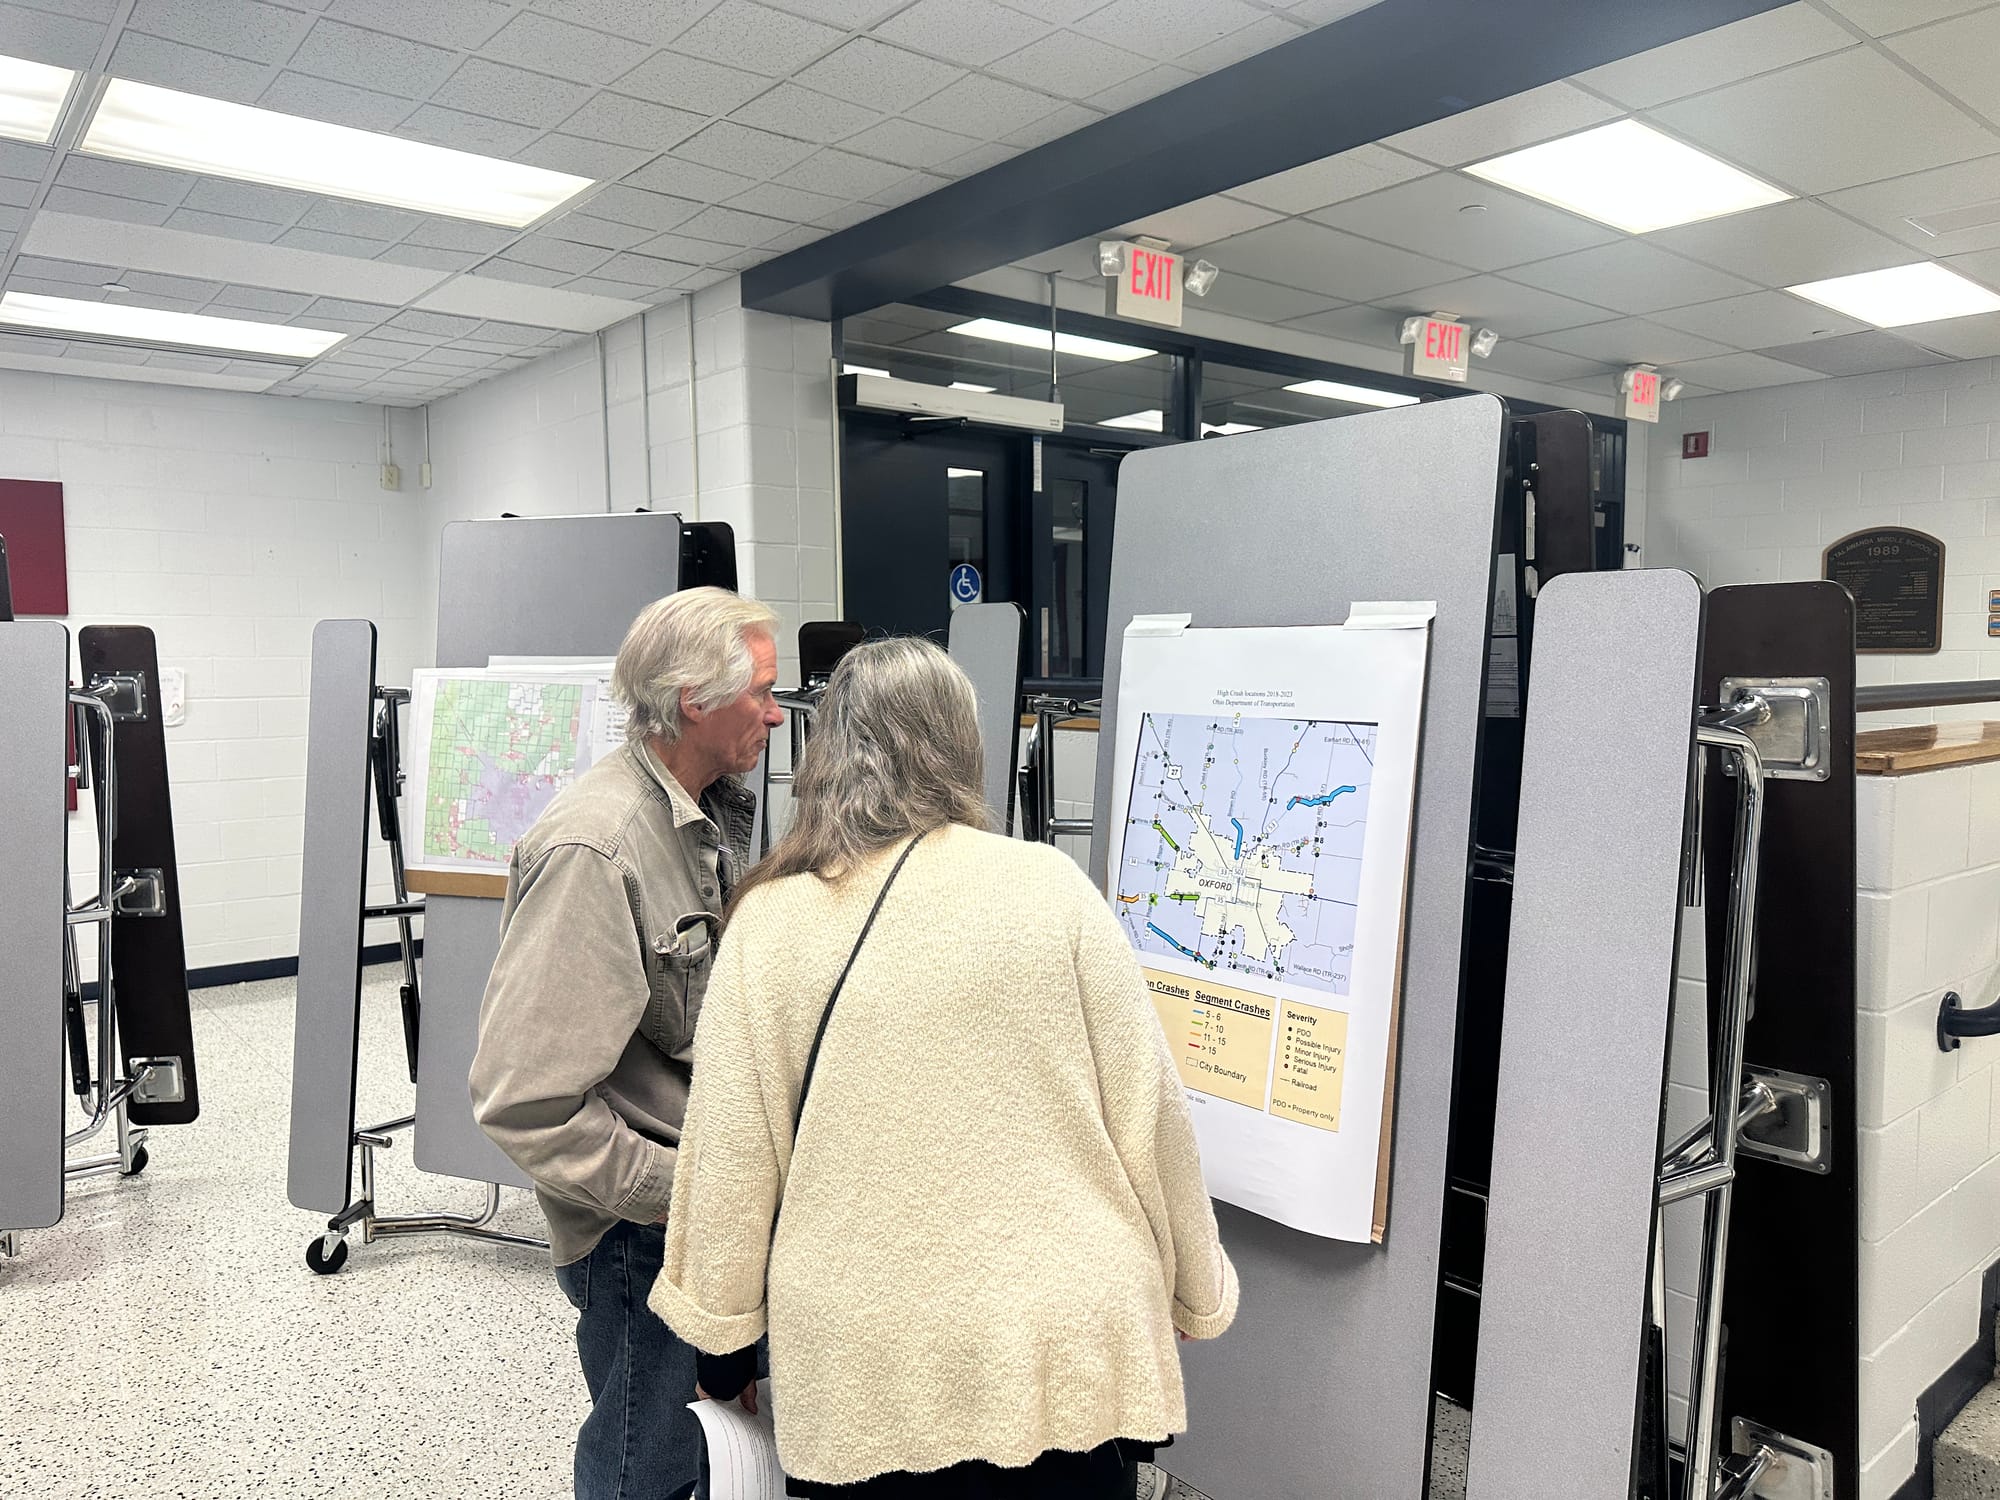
point(1149, 286)
point(1639, 396)
point(1439, 351)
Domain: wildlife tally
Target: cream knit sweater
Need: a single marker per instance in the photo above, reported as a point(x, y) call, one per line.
point(995, 1218)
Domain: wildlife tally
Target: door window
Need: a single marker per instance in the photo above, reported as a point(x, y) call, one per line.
point(1069, 501)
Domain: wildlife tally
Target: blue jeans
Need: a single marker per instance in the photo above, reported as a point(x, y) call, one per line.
point(640, 1442)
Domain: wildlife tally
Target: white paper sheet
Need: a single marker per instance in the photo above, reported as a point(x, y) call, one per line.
point(742, 1449)
point(1260, 837)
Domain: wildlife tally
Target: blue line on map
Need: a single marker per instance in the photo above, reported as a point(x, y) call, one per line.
point(1150, 927)
point(1239, 835)
point(1339, 791)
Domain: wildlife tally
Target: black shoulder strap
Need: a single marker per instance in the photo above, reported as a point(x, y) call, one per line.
point(826, 1015)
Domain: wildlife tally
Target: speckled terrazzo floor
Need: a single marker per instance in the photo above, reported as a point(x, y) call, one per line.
point(166, 1339)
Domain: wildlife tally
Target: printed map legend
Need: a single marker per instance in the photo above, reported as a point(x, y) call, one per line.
point(1221, 1037)
point(1312, 1053)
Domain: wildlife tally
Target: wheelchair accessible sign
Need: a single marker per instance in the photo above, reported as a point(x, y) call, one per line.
point(965, 585)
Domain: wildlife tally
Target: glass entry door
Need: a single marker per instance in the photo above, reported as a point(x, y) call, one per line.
point(1070, 561)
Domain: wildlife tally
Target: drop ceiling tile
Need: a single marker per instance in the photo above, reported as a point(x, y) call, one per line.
point(238, 27)
point(1532, 362)
point(125, 180)
point(431, 259)
point(909, 189)
point(1884, 17)
point(687, 179)
point(604, 286)
point(1784, 244)
point(1961, 338)
point(629, 205)
point(1890, 205)
point(470, 359)
point(92, 10)
point(62, 41)
point(983, 107)
point(1630, 276)
point(1959, 54)
point(1202, 222)
point(485, 88)
point(520, 271)
point(1067, 119)
point(461, 26)
point(362, 220)
point(249, 200)
point(1071, 65)
point(643, 270)
point(1505, 125)
point(1854, 354)
point(1514, 310)
point(1431, 214)
point(805, 115)
point(249, 299)
point(967, 164)
point(868, 72)
point(70, 289)
point(795, 238)
point(657, 21)
point(79, 272)
point(909, 144)
point(440, 324)
point(549, 254)
point(149, 59)
point(972, 32)
point(20, 160)
point(1628, 341)
point(1742, 49)
point(12, 219)
point(848, 217)
point(692, 83)
point(1742, 372)
point(350, 309)
point(1833, 123)
point(196, 222)
point(1331, 179)
point(600, 161)
point(849, 14)
point(568, 51)
point(339, 103)
point(461, 234)
point(1259, 36)
point(687, 250)
point(100, 206)
point(1076, 261)
point(607, 234)
point(326, 243)
point(729, 226)
point(755, 36)
point(1317, 259)
point(1980, 265)
point(465, 132)
point(735, 148)
point(1357, 323)
point(1057, 12)
point(842, 173)
point(796, 205)
point(17, 194)
point(1260, 301)
point(371, 60)
point(181, 288)
point(1759, 320)
point(1148, 85)
point(511, 337)
point(1167, 29)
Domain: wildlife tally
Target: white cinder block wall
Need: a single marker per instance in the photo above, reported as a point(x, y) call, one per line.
point(229, 523)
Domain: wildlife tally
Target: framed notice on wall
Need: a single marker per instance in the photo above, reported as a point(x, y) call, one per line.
point(31, 519)
point(1896, 576)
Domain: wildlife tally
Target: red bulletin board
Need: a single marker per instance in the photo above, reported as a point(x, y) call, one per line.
point(31, 518)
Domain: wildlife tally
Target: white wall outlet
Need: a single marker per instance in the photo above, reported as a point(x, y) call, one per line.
point(173, 697)
point(392, 477)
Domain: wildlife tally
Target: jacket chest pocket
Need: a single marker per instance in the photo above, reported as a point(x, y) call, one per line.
point(678, 961)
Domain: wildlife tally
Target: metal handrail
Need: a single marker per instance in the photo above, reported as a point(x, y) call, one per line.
point(1888, 696)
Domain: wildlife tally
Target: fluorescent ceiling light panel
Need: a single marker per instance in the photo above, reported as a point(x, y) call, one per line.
point(966, 385)
point(1354, 395)
point(1139, 421)
point(965, 473)
point(1038, 338)
point(31, 99)
point(1922, 293)
point(862, 370)
point(147, 325)
point(1227, 429)
point(1629, 176)
point(165, 128)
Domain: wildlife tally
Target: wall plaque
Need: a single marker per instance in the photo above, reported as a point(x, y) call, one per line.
point(1897, 579)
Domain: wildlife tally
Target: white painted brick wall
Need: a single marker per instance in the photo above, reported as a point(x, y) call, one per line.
point(228, 523)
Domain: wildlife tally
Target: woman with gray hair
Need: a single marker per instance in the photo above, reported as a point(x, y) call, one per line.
point(936, 1146)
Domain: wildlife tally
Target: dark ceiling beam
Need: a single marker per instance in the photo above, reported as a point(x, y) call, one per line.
point(1390, 68)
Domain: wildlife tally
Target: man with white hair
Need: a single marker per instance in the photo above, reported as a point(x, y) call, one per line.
point(586, 1034)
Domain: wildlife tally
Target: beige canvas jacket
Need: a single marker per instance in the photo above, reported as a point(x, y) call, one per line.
point(994, 1221)
point(586, 1031)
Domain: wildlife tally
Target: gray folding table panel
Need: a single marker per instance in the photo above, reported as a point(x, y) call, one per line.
point(524, 586)
point(325, 1032)
point(34, 765)
point(1323, 1387)
point(1583, 1053)
point(985, 640)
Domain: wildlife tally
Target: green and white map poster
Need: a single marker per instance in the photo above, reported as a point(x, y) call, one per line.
point(489, 750)
point(1261, 861)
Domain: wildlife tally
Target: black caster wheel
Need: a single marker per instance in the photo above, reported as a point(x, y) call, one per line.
point(139, 1160)
point(321, 1262)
